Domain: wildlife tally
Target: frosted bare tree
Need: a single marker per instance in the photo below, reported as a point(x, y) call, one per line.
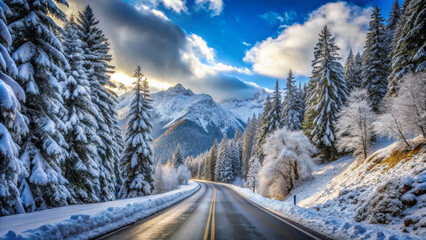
point(411, 102)
point(355, 125)
point(405, 114)
point(288, 160)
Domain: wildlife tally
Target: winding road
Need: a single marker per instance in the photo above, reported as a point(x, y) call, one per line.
point(213, 212)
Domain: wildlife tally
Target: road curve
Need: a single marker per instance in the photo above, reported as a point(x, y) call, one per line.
point(213, 212)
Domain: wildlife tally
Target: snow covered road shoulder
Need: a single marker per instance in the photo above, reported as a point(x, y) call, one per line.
point(330, 226)
point(88, 220)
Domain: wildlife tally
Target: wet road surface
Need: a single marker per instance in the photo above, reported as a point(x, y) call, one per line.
point(214, 212)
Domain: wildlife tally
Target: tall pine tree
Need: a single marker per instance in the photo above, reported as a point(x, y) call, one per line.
point(275, 115)
point(212, 161)
point(356, 81)
point(81, 165)
point(178, 159)
point(249, 144)
point(327, 91)
point(11, 123)
point(409, 45)
point(270, 120)
point(393, 20)
point(39, 56)
point(375, 65)
point(138, 162)
point(263, 128)
point(349, 69)
point(235, 155)
point(96, 63)
point(293, 106)
point(224, 171)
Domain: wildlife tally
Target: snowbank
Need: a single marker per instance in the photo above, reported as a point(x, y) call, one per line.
point(88, 220)
point(330, 226)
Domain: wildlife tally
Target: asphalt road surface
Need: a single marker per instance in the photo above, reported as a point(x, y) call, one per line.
point(213, 212)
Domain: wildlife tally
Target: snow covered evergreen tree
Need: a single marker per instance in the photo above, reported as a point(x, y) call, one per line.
point(356, 81)
point(224, 171)
point(355, 125)
point(327, 91)
point(81, 166)
point(408, 49)
point(12, 122)
point(293, 106)
point(119, 141)
point(349, 70)
point(212, 161)
point(96, 63)
point(39, 56)
point(206, 168)
point(253, 174)
point(137, 162)
point(375, 66)
point(178, 159)
point(393, 20)
point(234, 154)
point(263, 127)
point(249, 144)
point(275, 114)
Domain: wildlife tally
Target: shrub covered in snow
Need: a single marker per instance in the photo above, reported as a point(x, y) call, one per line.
point(167, 177)
point(183, 175)
point(287, 161)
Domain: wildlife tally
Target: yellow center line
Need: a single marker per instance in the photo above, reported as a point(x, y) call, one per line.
point(213, 221)
point(206, 232)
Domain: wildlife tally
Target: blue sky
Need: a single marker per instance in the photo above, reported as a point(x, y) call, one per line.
point(217, 45)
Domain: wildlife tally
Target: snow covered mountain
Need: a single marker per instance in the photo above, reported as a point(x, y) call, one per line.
point(181, 116)
point(246, 107)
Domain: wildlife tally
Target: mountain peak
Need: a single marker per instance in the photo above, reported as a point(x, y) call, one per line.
point(179, 88)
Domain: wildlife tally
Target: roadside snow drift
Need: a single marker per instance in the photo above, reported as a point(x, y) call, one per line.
point(382, 197)
point(88, 220)
point(333, 227)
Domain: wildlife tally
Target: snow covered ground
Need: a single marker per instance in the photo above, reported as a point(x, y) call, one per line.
point(323, 174)
point(328, 225)
point(88, 220)
point(371, 192)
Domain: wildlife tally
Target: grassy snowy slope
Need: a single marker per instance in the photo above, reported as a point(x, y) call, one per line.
point(387, 189)
point(382, 197)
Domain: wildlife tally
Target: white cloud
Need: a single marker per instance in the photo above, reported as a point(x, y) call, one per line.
point(167, 55)
point(215, 6)
point(228, 68)
point(198, 46)
point(274, 17)
point(201, 58)
point(293, 48)
point(247, 44)
point(176, 5)
point(142, 7)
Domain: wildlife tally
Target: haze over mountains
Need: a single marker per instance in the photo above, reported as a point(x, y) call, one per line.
point(193, 120)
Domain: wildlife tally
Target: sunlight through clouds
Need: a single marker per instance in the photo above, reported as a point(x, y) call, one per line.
point(293, 47)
